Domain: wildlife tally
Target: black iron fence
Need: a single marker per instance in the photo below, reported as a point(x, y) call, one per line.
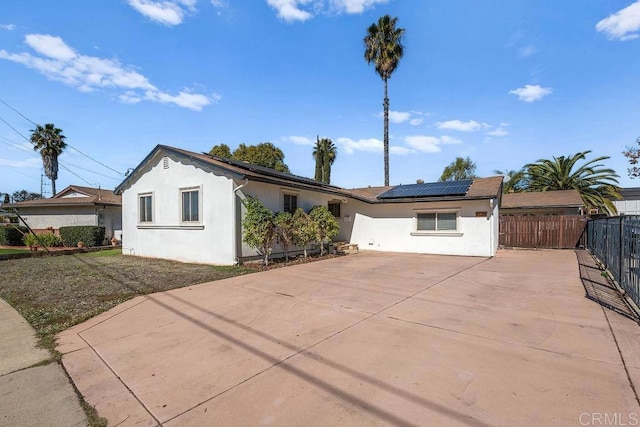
point(615, 241)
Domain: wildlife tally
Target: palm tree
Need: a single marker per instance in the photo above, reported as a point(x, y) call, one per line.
point(517, 181)
point(383, 47)
point(324, 153)
point(598, 186)
point(49, 141)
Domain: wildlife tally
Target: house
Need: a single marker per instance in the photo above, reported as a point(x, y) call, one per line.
point(562, 202)
point(187, 206)
point(630, 203)
point(75, 205)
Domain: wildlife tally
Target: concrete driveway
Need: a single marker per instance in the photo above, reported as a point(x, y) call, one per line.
point(368, 339)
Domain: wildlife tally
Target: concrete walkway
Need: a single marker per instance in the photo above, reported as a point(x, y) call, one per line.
point(32, 396)
point(368, 339)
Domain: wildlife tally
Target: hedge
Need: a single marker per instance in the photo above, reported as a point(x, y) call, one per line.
point(10, 236)
point(90, 235)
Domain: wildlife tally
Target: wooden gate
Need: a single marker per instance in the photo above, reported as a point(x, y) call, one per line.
point(541, 231)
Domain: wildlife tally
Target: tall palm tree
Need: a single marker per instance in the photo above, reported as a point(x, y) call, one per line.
point(516, 181)
point(598, 186)
point(324, 152)
point(383, 47)
point(49, 141)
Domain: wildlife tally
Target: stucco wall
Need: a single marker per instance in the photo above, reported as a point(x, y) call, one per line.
point(211, 241)
point(56, 217)
point(392, 227)
point(627, 207)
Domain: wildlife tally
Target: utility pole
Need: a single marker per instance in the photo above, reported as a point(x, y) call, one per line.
point(43, 185)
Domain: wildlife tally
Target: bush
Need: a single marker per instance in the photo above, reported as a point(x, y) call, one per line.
point(91, 235)
point(12, 235)
point(50, 239)
point(31, 241)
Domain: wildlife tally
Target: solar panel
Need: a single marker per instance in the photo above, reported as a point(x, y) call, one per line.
point(430, 189)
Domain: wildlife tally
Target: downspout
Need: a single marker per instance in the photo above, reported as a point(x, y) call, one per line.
point(235, 223)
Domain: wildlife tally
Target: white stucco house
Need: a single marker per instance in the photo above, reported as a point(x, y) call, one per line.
point(75, 205)
point(187, 206)
point(630, 202)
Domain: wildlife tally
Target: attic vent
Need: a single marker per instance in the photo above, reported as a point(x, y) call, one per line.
point(165, 162)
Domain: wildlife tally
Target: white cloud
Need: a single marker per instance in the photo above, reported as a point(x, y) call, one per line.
point(450, 140)
point(167, 12)
point(355, 6)
point(460, 126)
point(289, 11)
point(416, 122)
point(371, 145)
point(399, 116)
point(528, 50)
point(58, 61)
point(8, 27)
point(498, 132)
point(301, 140)
point(622, 25)
point(395, 149)
point(530, 93)
point(426, 144)
point(303, 10)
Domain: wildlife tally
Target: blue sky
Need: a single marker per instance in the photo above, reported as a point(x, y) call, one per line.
point(505, 83)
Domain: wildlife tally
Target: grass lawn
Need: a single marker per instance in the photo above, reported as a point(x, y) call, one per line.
point(12, 251)
point(54, 293)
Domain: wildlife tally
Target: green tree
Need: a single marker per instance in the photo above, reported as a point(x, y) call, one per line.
point(305, 230)
point(324, 153)
point(327, 225)
point(459, 169)
point(283, 222)
point(383, 47)
point(515, 182)
point(597, 185)
point(633, 154)
point(24, 195)
point(258, 227)
point(49, 141)
point(6, 198)
point(221, 150)
point(264, 154)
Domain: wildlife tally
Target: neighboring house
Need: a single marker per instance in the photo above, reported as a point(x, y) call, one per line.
point(630, 203)
point(75, 205)
point(562, 202)
point(187, 206)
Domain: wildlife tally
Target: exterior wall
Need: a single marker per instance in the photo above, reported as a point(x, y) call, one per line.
point(212, 241)
point(627, 207)
point(271, 196)
point(40, 218)
point(392, 227)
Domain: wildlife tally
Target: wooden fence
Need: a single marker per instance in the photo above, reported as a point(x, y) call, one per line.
point(541, 231)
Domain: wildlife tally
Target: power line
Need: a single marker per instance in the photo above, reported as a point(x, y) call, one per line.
point(68, 145)
point(93, 172)
point(14, 129)
point(72, 172)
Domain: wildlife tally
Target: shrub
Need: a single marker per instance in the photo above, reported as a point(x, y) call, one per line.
point(50, 239)
point(327, 225)
point(259, 230)
point(31, 240)
point(12, 235)
point(305, 230)
point(91, 235)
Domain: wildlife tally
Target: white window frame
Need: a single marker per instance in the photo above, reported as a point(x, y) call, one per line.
point(436, 232)
point(284, 193)
point(197, 190)
point(140, 197)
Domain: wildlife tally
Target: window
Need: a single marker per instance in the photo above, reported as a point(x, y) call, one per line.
point(146, 208)
point(334, 208)
point(290, 203)
point(190, 206)
point(437, 221)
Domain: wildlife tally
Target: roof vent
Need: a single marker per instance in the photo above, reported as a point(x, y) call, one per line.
point(165, 162)
point(420, 181)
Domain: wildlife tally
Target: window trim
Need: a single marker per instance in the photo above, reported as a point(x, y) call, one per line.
point(153, 208)
point(181, 192)
point(454, 233)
